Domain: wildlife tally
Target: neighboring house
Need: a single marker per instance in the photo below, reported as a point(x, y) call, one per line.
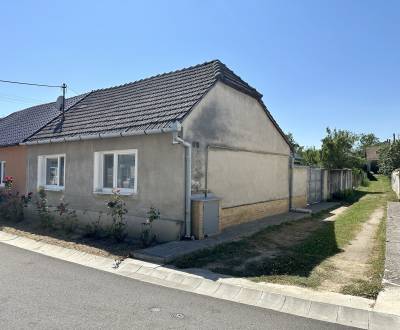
point(161, 141)
point(17, 127)
point(372, 157)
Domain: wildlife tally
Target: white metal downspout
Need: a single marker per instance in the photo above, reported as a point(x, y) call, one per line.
point(188, 182)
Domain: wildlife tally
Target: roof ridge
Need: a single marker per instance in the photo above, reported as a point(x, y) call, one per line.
point(160, 75)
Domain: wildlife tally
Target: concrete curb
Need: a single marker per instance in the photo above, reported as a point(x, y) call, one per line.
point(329, 307)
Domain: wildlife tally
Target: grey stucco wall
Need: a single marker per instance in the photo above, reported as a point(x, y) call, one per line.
point(227, 117)
point(160, 179)
point(300, 180)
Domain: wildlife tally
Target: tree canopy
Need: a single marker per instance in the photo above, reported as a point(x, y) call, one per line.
point(339, 149)
point(389, 157)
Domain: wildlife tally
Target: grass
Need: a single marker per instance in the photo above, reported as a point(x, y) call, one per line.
point(372, 287)
point(303, 260)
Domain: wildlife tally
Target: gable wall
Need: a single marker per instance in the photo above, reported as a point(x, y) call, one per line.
point(251, 175)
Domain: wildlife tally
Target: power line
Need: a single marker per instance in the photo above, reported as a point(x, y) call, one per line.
point(30, 84)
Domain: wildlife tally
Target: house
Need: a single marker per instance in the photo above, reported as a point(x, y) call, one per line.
point(372, 157)
point(17, 127)
point(164, 141)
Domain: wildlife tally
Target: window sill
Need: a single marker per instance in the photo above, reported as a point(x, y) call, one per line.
point(121, 193)
point(50, 188)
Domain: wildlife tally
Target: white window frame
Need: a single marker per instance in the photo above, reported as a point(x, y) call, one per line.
point(42, 174)
point(2, 166)
point(98, 187)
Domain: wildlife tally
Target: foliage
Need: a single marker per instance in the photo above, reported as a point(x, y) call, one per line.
point(12, 204)
point(117, 210)
point(338, 150)
point(364, 141)
point(297, 148)
point(95, 228)
point(8, 182)
point(147, 237)
point(69, 219)
point(302, 263)
point(46, 218)
point(389, 157)
point(311, 156)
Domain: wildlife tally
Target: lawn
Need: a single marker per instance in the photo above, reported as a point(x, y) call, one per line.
point(298, 253)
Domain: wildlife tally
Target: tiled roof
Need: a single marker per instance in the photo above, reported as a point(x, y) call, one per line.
point(20, 125)
point(152, 103)
point(146, 104)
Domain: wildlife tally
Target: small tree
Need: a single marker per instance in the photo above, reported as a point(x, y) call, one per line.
point(147, 237)
point(117, 210)
point(46, 218)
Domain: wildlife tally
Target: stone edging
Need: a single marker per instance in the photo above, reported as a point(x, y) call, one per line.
point(329, 307)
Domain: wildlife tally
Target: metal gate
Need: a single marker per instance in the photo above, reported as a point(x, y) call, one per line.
point(314, 185)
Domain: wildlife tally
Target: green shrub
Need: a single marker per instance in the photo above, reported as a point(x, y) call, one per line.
point(147, 237)
point(69, 219)
point(117, 210)
point(12, 205)
point(95, 228)
point(45, 217)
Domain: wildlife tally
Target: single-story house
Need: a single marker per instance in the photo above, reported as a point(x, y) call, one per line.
point(17, 127)
point(372, 157)
point(164, 141)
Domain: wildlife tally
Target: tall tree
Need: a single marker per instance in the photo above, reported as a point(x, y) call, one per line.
point(366, 140)
point(311, 156)
point(338, 150)
point(389, 157)
point(297, 147)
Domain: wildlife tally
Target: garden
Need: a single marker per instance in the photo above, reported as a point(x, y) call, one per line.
point(31, 216)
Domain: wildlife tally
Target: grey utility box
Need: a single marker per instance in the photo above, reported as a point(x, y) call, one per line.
point(205, 215)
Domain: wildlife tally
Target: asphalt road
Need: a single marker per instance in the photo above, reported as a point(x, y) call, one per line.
point(38, 292)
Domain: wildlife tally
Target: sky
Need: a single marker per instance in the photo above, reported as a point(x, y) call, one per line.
point(318, 64)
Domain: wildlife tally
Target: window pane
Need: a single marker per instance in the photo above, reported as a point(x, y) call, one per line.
point(126, 171)
point(108, 169)
point(61, 172)
point(51, 171)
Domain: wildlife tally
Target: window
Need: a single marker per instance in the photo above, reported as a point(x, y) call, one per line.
point(2, 172)
point(115, 170)
point(51, 173)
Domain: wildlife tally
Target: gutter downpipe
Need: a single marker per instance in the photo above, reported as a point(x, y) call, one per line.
point(188, 182)
point(291, 165)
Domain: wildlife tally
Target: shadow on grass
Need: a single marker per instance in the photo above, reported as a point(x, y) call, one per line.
point(98, 245)
point(290, 250)
point(244, 258)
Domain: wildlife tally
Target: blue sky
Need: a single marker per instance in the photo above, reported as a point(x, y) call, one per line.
point(318, 63)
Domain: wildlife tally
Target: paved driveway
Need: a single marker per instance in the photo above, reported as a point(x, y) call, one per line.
point(38, 292)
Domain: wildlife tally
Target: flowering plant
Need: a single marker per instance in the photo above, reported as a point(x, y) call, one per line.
point(8, 182)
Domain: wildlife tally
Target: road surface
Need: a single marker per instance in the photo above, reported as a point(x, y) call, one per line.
point(39, 292)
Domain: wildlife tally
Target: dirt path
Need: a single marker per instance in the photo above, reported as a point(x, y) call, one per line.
point(352, 264)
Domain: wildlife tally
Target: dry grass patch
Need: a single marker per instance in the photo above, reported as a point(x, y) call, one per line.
point(300, 253)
